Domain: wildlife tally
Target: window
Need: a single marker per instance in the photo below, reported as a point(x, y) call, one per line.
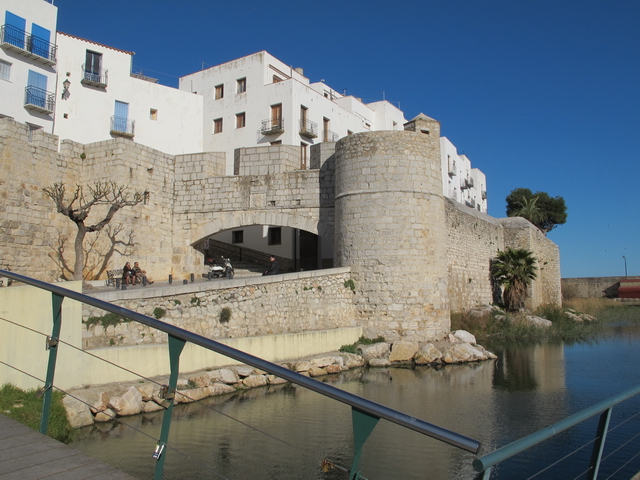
point(241, 85)
point(153, 114)
point(217, 125)
point(93, 66)
point(277, 142)
point(237, 236)
point(276, 79)
point(274, 236)
point(325, 123)
point(276, 115)
point(5, 70)
point(240, 120)
point(219, 92)
point(37, 90)
point(303, 115)
point(14, 27)
point(39, 43)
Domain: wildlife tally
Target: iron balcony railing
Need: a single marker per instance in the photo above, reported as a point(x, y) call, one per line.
point(36, 48)
point(122, 127)
point(39, 100)
point(365, 413)
point(308, 128)
point(272, 126)
point(95, 79)
point(329, 136)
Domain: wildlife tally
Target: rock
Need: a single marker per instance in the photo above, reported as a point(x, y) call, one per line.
point(333, 368)
point(201, 381)
point(128, 404)
point(151, 406)
point(220, 389)
point(465, 337)
point(351, 360)
point(486, 352)
point(317, 372)
point(379, 362)
point(428, 354)
point(101, 404)
point(481, 311)
point(462, 352)
point(403, 351)
point(255, 381)
point(224, 375)
point(104, 416)
point(273, 380)
point(377, 350)
point(147, 391)
point(191, 395)
point(537, 321)
point(78, 413)
point(243, 371)
point(301, 366)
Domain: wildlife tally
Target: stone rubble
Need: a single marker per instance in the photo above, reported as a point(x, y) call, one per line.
point(102, 404)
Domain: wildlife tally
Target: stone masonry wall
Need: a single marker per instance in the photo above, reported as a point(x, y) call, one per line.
point(298, 302)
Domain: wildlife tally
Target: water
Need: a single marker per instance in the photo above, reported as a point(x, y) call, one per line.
point(495, 402)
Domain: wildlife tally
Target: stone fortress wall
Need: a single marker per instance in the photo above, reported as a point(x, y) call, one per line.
point(375, 196)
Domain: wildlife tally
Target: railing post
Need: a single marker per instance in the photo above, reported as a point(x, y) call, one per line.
point(363, 425)
point(175, 349)
point(598, 445)
point(52, 346)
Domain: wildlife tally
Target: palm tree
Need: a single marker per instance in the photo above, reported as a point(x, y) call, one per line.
point(514, 269)
point(530, 211)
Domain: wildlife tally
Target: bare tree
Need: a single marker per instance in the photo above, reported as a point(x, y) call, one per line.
point(78, 207)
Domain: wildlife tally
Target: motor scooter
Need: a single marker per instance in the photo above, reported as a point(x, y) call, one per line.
point(228, 269)
point(224, 270)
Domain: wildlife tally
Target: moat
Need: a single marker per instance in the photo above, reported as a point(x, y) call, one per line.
point(286, 432)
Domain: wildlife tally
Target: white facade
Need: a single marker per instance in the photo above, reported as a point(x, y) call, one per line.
point(27, 62)
point(103, 100)
point(259, 100)
point(461, 182)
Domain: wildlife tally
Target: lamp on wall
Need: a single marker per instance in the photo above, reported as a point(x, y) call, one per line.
point(65, 90)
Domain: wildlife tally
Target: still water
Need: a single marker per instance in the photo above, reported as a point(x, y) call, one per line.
point(286, 432)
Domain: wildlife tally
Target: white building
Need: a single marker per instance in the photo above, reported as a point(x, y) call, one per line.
point(100, 99)
point(28, 56)
point(460, 181)
point(259, 100)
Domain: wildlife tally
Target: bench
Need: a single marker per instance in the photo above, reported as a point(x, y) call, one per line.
point(111, 277)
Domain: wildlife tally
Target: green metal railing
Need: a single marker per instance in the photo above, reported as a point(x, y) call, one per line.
point(485, 463)
point(365, 413)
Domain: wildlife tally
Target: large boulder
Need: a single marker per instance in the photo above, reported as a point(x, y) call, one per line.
point(255, 381)
point(220, 389)
point(428, 354)
point(465, 337)
point(403, 351)
point(462, 352)
point(538, 321)
point(78, 413)
point(351, 360)
point(224, 375)
point(377, 350)
point(130, 403)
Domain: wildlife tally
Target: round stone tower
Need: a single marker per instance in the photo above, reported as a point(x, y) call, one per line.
point(390, 229)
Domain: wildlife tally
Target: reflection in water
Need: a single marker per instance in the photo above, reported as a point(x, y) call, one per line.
point(293, 430)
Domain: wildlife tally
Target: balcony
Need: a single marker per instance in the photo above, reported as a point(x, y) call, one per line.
point(308, 128)
point(329, 136)
point(35, 48)
point(272, 126)
point(122, 127)
point(95, 79)
point(484, 194)
point(452, 169)
point(39, 100)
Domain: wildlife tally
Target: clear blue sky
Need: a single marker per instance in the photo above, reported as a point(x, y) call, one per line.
point(543, 95)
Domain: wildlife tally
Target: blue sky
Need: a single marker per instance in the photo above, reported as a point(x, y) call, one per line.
point(543, 95)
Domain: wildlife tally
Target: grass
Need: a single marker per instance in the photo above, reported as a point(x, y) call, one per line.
point(563, 328)
point(25, 407)
point(106, 320)
point(361, 341)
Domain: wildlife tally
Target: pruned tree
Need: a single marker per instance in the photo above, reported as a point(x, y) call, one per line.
point(78, 207)
point(544, 211)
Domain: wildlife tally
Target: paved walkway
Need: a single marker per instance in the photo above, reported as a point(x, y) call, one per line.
point(28, 455)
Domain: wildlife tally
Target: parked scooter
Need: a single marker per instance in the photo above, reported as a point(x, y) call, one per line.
point(217, 271)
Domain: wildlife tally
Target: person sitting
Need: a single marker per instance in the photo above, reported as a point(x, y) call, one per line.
point(128, 274)
point(274, 268)
point(141, 275)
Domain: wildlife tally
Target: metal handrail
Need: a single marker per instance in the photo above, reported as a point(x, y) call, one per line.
point(39, 48)
point(486, 462)
point(122, 126)
point(39, 98)
point(359, 405)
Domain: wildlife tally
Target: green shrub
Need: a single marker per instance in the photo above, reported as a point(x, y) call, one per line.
point(350, 284)
point(159, 312)
point(225, 315)
point(106, 320)
point(177, 302)
point(26, 408)
point(195, 301)
point(352, 348)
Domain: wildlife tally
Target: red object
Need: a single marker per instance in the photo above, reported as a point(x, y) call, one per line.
point(629, 288)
